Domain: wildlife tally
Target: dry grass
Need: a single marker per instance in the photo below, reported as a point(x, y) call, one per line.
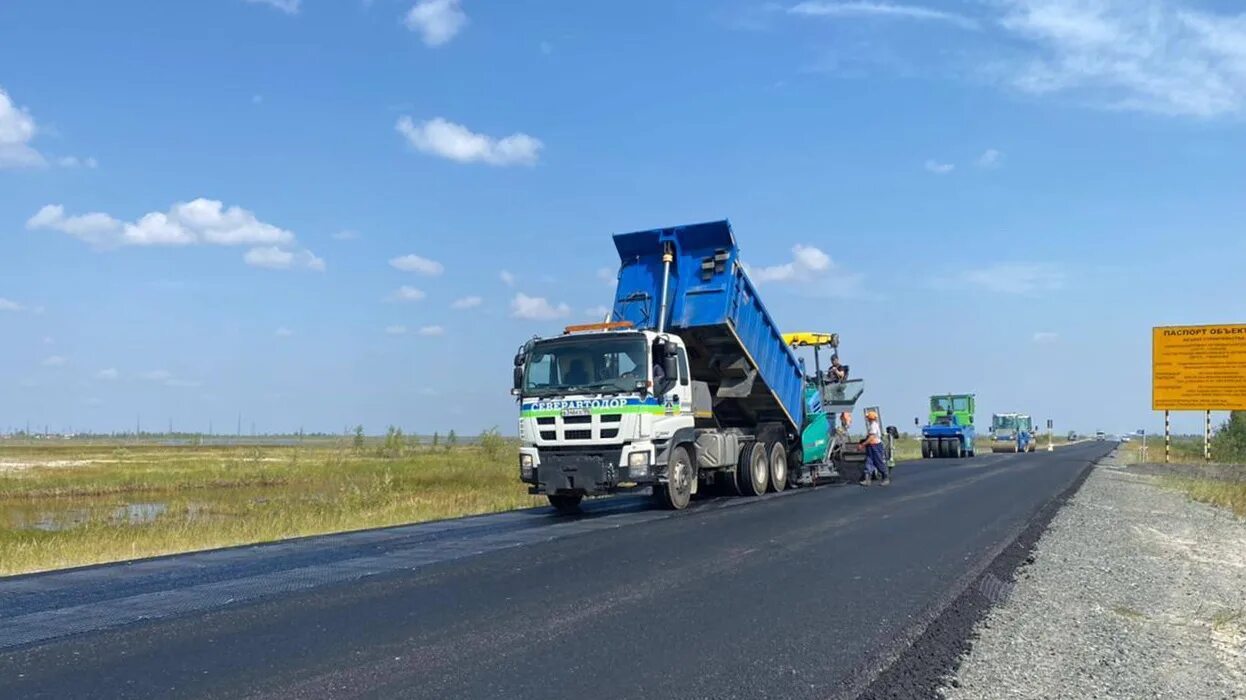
point(191, 498)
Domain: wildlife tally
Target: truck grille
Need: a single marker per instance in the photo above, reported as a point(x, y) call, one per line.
point(604, 427)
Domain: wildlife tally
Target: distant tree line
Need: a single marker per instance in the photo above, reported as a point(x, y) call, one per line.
point(1229, 443)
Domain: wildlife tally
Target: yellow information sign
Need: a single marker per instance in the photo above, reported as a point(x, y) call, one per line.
point(1198, 368)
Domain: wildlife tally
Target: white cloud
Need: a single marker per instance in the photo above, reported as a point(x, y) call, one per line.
point(395, 330)
point(1160, 56)
point(414, 263)
point(537, 308)
point(345, 235)
point(407, 294)
point(884, 10)
point(283, 332)
point(76, 162)
point(197, 222)
point(815, 269)
point(507, 278)
point(990, 159)
point(1046, 337)
point(108, 374)
point(437, 21)
point(934, 166)
point(10, 305)
point(608, 275)
point(157, 375)
point(1015, 278)
point(597, 312)
point(17, 129)
point(432, 331)
point(95, 228)
point(806, 262)
point(445, 139)
point(290, 7)
point(470, 302)
point(274, 258)
point(53, 361)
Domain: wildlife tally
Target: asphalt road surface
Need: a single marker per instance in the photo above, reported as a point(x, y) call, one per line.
point(805, 594)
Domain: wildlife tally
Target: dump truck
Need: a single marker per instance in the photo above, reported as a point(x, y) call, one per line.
point(950, 432)
point(1012, 432)
point(688, 384)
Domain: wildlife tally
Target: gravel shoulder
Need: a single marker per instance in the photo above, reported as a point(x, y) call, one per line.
point(1134, 591)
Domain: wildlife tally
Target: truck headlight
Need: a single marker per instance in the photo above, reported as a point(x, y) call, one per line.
point(525, 464)
point(638, 463)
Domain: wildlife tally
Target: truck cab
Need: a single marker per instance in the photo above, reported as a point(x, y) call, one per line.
point(598, 408)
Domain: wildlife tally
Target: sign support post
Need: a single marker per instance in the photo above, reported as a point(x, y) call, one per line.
point(1207, 438)
point(1167, 438)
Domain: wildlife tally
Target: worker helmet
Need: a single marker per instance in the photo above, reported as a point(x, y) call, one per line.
point(871, 415)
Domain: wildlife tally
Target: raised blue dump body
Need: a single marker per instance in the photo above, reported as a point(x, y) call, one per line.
point(733, 343)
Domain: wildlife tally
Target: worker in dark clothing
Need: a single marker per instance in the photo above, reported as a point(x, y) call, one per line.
point(576, 373)
point(875, 455)
point(836, 373)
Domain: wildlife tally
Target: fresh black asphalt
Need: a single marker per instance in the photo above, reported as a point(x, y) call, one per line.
point(810, 594)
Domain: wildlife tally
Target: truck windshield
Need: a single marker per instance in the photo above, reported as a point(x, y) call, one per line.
point(1005, 422)
point(594, 364)
point(943, 404)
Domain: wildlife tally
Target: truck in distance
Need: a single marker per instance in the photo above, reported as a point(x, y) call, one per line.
point(689, 384)
point(1012, 432)
point(950, 432)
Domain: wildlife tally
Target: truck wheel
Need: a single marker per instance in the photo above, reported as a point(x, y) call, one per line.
point(567, 505)
point(753, 471)
point(926, 449)
point(954, 449)
point(677, 491)
point(778, 466)
point(795, 467)
point(940, 448)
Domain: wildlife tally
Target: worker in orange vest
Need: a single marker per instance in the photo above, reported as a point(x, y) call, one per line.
point(875, 456)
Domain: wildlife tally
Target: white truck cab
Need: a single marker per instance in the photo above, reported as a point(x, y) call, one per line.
point(598, 407)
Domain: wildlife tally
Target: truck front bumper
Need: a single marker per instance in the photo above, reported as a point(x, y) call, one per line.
point(588, 471)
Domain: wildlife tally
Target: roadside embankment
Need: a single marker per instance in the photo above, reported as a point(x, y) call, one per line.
point(1134, 591)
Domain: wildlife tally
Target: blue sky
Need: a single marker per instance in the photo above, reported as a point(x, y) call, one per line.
point(319, 213)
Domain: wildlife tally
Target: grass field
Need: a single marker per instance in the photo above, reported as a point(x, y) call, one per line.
point(70, 505)
point(1226, 490)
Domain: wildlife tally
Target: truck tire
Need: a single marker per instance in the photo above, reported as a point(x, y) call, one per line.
point(680, 472)
point(753, 471)
point(926, 449)
point(954, 449)
point(795, 467)
point(567, 505)
point(778, 466)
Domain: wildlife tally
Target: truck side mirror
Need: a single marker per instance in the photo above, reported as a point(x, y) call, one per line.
point(670, 366)
point(519, 359)
point(517, 377)
point(893, 433)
